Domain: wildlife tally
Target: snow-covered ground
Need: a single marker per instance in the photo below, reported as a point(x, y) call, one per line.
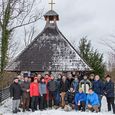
point(6, 109)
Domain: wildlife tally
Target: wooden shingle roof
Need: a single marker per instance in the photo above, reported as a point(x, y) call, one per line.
point(50, 51)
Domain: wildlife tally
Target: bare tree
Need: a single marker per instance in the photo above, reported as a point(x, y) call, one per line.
point(29, 35)
point(14, 14)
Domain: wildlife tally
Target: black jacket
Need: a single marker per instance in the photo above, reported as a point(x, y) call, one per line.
point(52, 85)
point(25, 86)
point(64, 86)
point(98, 87)
point(15, 91)
point(109, 89)
point(69, 97)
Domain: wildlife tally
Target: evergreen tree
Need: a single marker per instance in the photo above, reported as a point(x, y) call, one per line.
point(92, 57)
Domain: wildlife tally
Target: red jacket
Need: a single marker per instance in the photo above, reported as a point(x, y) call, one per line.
point(47, 80)
point(34, 89)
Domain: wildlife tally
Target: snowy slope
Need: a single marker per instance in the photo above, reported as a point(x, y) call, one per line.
point(6, 109)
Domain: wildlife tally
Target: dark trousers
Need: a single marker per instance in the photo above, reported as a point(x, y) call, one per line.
point(42, 102)
point(81, 106)
point(26, 102)
point(110, 101)
point(100, 98)
point(52, 98)
point(34, 102)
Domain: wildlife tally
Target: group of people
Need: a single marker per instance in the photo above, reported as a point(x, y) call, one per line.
point(67, 92)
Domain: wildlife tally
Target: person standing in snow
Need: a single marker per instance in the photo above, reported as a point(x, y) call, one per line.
point(64, 87)
point(70, 80)
point(58, 80)
point(92, 101)
point(75, 84)
point(85, 84)
point(98, 88)
point(47, 78)
point(52, 88)
point(109, 93)
point(34, 94)
point(25, 94)
point(80, 100)
point(91, 78)
point(43, 93)
point(15, 94)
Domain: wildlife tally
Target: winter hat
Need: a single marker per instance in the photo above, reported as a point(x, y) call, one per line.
point(107, 76)
point(15, 78)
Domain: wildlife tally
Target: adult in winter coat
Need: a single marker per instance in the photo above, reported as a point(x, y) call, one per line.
point(70, 80)
point(98, 87)
point(47, 78)
point(92, 101)
point(109, 93)
point(52, 88)
point(85, 84)
point(25, 94)
point(80, 100)
point(63, 89)
point(75, 84)
point(34, 93)
point(58, 80)
point(91, 78)
point(43, 93)
point(15, 94)
point(69, 99)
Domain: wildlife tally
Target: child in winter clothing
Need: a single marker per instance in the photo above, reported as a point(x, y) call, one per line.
point(15, 94)
point(80, 100)
point(92, 102)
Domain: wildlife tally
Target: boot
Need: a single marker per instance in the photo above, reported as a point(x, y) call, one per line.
point(15, 111)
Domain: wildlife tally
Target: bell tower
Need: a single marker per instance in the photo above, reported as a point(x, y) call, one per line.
point(51, 15)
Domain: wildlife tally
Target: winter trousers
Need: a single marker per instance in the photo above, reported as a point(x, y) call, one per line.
point(63, 99)
point(110, 101)
point(94, 108)
point(81, 106)
point(42, 102)
point(100, 98)
point(34, 102)
point(15, 104)
point(26, 102)
point(52, 97)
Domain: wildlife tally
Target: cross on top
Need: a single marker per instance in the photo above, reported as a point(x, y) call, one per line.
point(51, 3)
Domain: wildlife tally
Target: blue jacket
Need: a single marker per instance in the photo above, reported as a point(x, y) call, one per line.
point(98, 87)
point(92, 99)
point(80, 97)
point(42, 88)
point(75, 85)
point(109, 89)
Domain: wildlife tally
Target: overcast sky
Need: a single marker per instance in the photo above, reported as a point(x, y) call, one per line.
point(78, 18)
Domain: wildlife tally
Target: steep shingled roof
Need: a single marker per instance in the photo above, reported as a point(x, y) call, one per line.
point(50, 51)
